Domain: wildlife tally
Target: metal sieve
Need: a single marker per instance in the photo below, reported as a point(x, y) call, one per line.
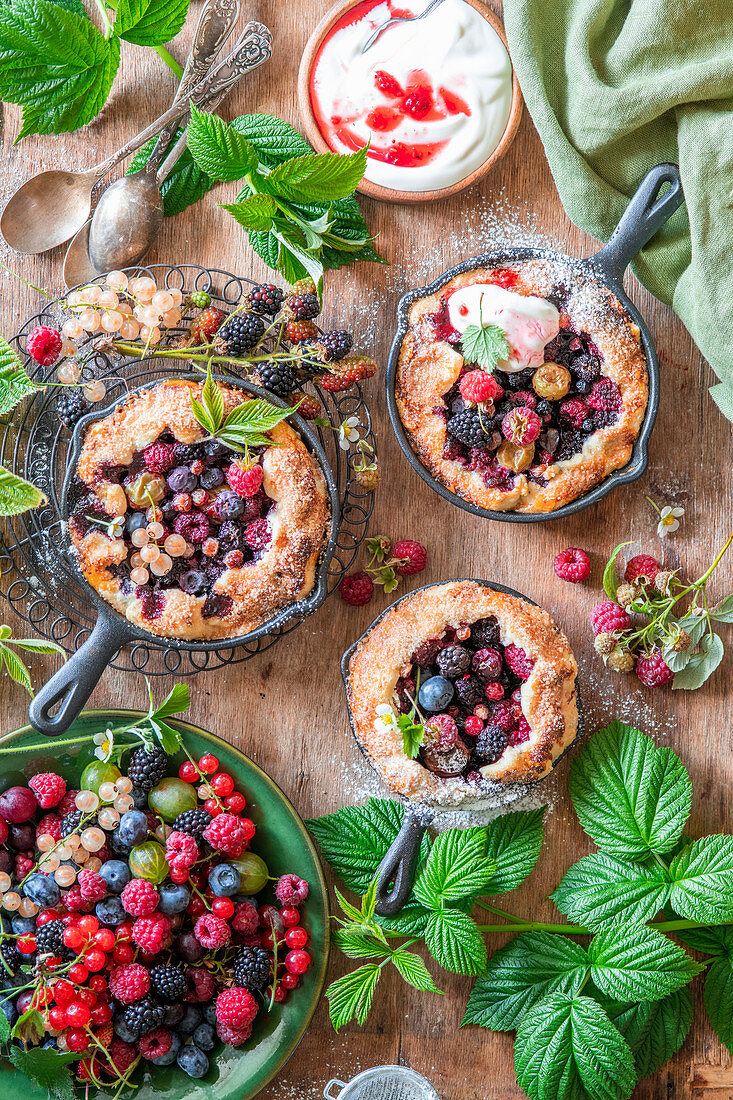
point(383, 1083)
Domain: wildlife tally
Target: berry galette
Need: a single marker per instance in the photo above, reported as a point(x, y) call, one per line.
point(459, 691)
point(185, 537)
point(521, 388)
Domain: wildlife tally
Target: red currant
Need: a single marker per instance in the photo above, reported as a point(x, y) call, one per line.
point(57, 1018)
point(77, 1040)
point(289, 981)
point(296, 938)
point(104, 939)
point(97, 983)
point(88, 924)
point(290, 916)
point(212, 807)
point(281, 993)
point(77, 1014)
point(473, 725)
point(45, 916)
point(78, 973)
point(196, 907)
point(188, 771)
point(87, 997)
point(222, 784)
point(179, 874)
point(124, 932)
point(74, 939)
point(235, 802)
point(297, 962)
point(208, 764)
point(123, 953)
point(249, 828)
point(95, 960)
point(223, 907)
point(26, 945)
point(101, 1013)
point(63, 993)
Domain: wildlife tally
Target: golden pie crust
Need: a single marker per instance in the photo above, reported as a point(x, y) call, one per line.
point(428, 368)
point(549, 698)
point(259, 590)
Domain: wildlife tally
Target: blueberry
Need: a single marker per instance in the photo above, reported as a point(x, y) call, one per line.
point(174, 898)
point(181, 480)
point(110, 912)
point(224, 880)
point(50, 1044)
point(214, 448)
point(23, 925)
point(229, 505)
point(42, 890)
point(118, 844)
point(194, 583)
point(139, 796)
point(116, 874)
point(122, 1030)
point(210, 1014)
point(191, 1020)
point(173, 1015)
point(204, 1037)
point(11, 1012)
point(133, 827)
point(170, 1056)
point(135, 521)
point(193, 1061)
point(212, 478)
point(436, 693)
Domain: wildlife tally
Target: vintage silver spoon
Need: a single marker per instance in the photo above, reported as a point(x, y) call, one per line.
point(215, 23)
point(399, 19)
point(130, 212)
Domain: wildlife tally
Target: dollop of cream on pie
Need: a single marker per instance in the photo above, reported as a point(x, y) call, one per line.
point(528, 322)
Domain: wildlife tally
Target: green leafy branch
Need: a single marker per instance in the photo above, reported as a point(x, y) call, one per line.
point(245, 426)
point(11, 662)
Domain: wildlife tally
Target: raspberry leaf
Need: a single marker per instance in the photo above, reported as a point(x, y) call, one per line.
point(514, 842)
point(150, 22)
point(485, 345)
point(600, 888)
point(255, 212)
point(358, 945)
point(273, 140)
point(638, 964)
point(318, 177)
point(410, 921)
point(701, 880)
point(712, 941)
point(15, 383)
point(414, 971)
point(351, 996)
point(15, 668)
point(18, 495)
point(718, 999)
point(567, 1048)
point(519, 975)
point(455, 868)
point(631, 797)
point(723, 613)
point(455, 942)
point(186, 183)
point(218, 149)
point(655, 1030)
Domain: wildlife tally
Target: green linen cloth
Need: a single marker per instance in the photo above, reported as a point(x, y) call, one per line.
point(617, 86)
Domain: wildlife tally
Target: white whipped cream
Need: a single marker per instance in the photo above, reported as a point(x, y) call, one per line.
point(455, 52)
point(528, 322)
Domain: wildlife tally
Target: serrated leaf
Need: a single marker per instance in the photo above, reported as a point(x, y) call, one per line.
point(529, 968)
point(294, 261)
point(34, 645)
point(319, 177)
point(568, 1049)
point(695, 626)
point(485, 345)
point(514, 842)
point(718, 999)
point(257, 415)
point(168, 738)
point(655, 1030)
point(355, 839)
point(351, 996)
point(701, 880)
point(4, 1027)
point(599, 889)
point(358, 945)
point(413, 735)
point(212, 399)
point(29, 1027)
point(55, 64)
point(455, 868)
point(638, 963)
point(15, 384)
point(712, 941)
point(631, 797)
point(185, 185)
point(15, 668)
point(176, 701)
point(255, 212)
point(700, 666)
point(203, 415)
point(219, 150)
point(414, 971)
point(50, 1068)
point(455, 942)
point(610, 576)
point(723, 613)
point(150, 22)
point(411, 920)
point(273, 140)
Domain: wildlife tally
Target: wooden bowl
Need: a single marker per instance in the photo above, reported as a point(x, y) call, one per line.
point(377, 190)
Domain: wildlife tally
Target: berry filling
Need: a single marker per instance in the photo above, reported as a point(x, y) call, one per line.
point(186, 514)
point(467, 686)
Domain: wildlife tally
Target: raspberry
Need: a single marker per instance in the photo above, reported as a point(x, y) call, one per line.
point(291, 890)
point(156, 1043)
point(74, 902)
point(91, 885)
point(48, 788)
point(129, 983)
point(150, 933)
point(246, 919)
point(159, 457)
point(208, 322)
point(518, 661)
point(204, 983)
point(413, 557)
point(348, 372)
point(236, 1007)
point(181, 851)
point(441, 733)
point(211, 931)
point(298, 331)
point(387, 84)
point(605, 396)
point(357, 589)
point(233, 1036)
point(265, 298)
point(609, 618)
point(257, 534)
point(121, 1056)
point(139, 898)
point(23, 865)
point(228, 834)
point(575, 411)
point(521, 732)
point(641, 566)
point(309, 407)
point(67, 805)
point(303, 307)
point(503, 715)
point(194, 526)
point(521, 426)
point(478, 386)
point(49, 825)
point(245, 480)
point(44, 345)
point(572, 565)
point(336, 344)
point(652, 669)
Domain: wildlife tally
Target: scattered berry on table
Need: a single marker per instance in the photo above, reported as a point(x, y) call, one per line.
point(356, 589)
point(44, 345)
point(265, 298)
point(303, 307)
point(278, 378)
point(70, 406)
point(608, 618)
point(572, 565)
point(242, 332)
point(652, 669)
point(641, 567)
point(413, 557)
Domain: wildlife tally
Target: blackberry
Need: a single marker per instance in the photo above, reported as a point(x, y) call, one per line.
point(520, 380)
point(147, 767)
point(192, 822)
point(303, 307)
point(570, 443)
point(426, 652)
point(453, 661)
point(278, 378)
point(168, 983)
point(469, 429)
point(485, 633)
point(336, 344)
point(265, 298)
point(242, 332)
point(70, 407)
point(185, 454)
point(143, 1016)
point(71, 823)
point(490, 744)
point(200, 299)
point(469, 691)
point(50, 939)
point(586, 368)
point(252, 968)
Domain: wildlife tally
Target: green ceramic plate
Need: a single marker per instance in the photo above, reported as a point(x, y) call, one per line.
point(283, 842)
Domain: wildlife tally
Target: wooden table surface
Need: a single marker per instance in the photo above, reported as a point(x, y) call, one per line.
point(285, 708)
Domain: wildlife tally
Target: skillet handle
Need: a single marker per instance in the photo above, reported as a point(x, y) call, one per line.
point(645, 214)
point(70, 687)
point(397, 869)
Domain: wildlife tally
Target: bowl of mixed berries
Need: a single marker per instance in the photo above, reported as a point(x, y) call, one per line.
point(163, 914)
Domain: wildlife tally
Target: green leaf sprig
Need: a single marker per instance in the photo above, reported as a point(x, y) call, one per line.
point(57, 66)
point(245, 426)
point(11, 663)
point(591, 1018)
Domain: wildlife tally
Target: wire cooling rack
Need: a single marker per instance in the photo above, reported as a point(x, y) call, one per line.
point(36, 577)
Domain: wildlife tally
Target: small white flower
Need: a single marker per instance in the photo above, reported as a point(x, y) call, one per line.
point(349, 432)
point(385, 708)
point(105, 744)
point(669, 520)
point(116, 528)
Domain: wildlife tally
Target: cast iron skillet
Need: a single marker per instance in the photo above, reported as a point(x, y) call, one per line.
point(397, 870)
point(70, 687)
point(645, 214)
